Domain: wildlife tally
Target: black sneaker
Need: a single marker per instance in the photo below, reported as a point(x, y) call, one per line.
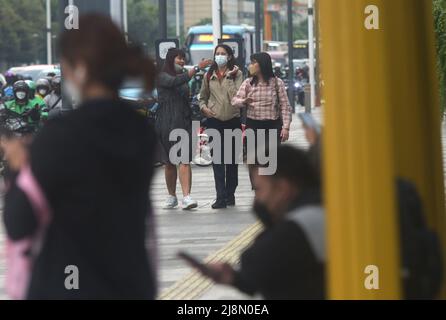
point(219, 204)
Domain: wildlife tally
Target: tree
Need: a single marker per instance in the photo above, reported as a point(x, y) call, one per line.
point(143, 24)
point(22, 31)
point(203, 22)
point(301, 30)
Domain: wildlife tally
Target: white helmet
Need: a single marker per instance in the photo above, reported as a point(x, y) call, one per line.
point(2, 81)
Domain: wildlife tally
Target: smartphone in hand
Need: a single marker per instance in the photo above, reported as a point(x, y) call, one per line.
point(200, 266)
point(308, 120)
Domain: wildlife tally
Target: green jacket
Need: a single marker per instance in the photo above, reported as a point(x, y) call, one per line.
point(21, 109)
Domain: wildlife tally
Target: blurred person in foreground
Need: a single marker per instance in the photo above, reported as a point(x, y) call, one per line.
point(93, 170)
point(286, 261)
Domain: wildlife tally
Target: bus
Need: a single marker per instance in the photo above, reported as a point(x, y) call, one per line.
point(301, 50)
point(200, 41)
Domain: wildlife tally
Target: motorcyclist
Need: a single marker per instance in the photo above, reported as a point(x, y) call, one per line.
point(23, 105)
point(43, 88)
point(53, 101)
point(33, 97)
point(8, 92)
point(278, 71)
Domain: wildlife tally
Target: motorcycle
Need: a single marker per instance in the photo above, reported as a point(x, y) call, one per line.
point(299, 92)
point(13, 125)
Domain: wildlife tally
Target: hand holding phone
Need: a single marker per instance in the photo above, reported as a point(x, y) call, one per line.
point(220, 273)
point(309, 122)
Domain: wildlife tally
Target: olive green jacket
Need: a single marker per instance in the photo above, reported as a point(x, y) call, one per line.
point(217, 95)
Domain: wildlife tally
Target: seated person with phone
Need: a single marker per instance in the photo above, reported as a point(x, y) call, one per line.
point(286, 261)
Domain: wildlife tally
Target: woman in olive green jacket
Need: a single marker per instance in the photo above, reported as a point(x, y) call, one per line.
point(220, 85)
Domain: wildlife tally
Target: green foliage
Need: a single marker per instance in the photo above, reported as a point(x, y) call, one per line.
point(204, 21)
point(301, 30)
point(22, 31)
point(440, 29)
point(143, 23)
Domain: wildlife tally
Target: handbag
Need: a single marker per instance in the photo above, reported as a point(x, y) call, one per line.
point(277, 105)
point(20, 255)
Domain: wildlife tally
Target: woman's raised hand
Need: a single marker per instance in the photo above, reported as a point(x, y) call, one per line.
point(205, 63)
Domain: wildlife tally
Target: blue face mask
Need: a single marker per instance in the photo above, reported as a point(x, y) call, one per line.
point(221, 60)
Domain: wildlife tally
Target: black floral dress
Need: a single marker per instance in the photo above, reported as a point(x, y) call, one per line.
point(174, 112)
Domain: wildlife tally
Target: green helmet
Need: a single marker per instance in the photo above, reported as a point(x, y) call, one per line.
point(32, 88)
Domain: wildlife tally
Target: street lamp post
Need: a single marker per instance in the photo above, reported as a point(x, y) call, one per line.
point(290, 53)
point(163, 18)
point(216, 20)
point(49, 46)
point(311, 53)
point(177, 11)
point(258, 25)
point(125, 19)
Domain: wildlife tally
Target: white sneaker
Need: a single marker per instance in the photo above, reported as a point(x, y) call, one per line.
point(171, 202)
point(189, 203)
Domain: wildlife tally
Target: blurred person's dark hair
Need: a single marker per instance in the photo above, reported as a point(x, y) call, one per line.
point(266, 67)
point(169, 63)
point(102, 47)
point(295, 166)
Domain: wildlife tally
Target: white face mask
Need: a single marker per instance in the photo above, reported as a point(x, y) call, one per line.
point(221, 60)
point(178, 68)
point(42, 92)
point(72, 91)
point(21, 95)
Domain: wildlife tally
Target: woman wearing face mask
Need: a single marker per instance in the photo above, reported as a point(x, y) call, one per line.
point(267, 103)
point(219, 87)
point(175, 113)
point(92, 171)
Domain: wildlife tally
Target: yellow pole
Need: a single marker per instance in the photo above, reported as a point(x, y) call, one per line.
point(382, 121)
point(415, 104)
point(358, 153)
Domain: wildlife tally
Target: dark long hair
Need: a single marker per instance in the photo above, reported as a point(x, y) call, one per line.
point(169, 63)
point(108, 58)
point(231, 60)
point(266, 67)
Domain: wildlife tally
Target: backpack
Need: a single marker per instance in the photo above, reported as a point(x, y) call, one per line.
point(422, 265)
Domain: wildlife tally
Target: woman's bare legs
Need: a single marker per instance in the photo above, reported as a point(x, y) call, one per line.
point(185, 178)
point(170, 172)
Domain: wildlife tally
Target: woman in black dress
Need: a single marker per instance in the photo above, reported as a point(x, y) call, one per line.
point(94, 167)
point(175, 113)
